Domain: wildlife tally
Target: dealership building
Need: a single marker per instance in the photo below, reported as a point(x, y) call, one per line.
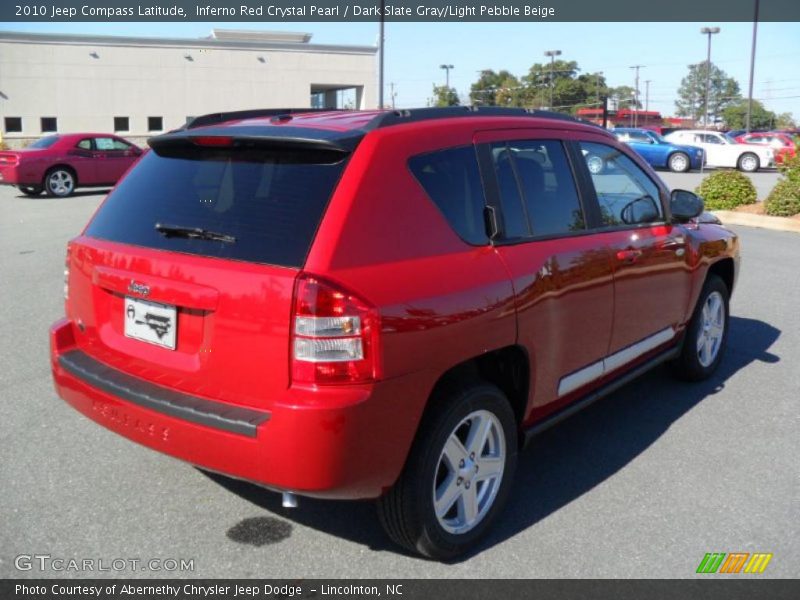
point(141, 86)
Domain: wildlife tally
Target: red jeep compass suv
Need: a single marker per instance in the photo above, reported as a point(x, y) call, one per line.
point(383, 304)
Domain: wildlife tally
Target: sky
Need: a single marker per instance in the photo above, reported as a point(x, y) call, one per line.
point(415, 51)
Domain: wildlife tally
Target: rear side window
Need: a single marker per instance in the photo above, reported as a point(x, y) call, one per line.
point(537, 188)
point(269, 202)
point(452, 180)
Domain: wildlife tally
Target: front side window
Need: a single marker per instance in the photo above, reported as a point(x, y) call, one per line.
point(537, 190)
point(451, 179)
point(626, 195)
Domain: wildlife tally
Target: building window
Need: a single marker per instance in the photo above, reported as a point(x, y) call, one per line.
point(49, 124)
point(155, 123)
point(121, 124)
point(13, 125)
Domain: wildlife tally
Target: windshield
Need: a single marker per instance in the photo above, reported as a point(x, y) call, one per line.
point(729, 138)
point(44, 142)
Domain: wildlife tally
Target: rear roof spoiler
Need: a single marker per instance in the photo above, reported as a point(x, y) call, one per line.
point(261, 137)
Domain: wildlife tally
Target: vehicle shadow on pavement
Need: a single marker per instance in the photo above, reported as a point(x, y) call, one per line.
point(77, 194)
point(564, 462)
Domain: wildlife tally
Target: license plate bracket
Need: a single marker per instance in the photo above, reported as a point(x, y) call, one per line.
point(151, 322)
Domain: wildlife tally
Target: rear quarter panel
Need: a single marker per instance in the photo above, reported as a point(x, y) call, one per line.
point(440, 300)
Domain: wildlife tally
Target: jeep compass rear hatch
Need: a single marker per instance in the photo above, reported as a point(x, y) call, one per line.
point(185, 275)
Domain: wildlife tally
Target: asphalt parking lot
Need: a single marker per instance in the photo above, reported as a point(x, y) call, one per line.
point(640, 485)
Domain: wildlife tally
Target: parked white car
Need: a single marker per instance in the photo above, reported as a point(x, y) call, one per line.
point(724, 151)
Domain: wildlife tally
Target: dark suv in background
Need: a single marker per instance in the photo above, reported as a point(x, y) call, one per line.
point(383, 304)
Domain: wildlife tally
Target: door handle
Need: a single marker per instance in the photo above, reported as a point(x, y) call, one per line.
point(628, 256)
point(673, 243)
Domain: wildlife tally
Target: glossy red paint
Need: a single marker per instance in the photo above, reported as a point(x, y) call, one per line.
point(439, 303)
point(93, 163)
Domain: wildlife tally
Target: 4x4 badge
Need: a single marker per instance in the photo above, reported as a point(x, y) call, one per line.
point(138, 288)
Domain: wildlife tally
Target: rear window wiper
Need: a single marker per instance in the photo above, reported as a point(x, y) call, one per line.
point(194, 233)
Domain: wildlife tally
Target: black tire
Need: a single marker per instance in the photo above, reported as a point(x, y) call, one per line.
point(690, 365)
point(31, 190)
point(682, 163)
point(748, 162)
point(407, 510)
point(66, 176)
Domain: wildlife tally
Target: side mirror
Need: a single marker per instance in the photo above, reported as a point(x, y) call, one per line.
point(685, 205)
point(136, 151)
point(641, 210)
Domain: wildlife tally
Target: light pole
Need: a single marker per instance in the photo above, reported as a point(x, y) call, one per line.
point(752, 71)
point(447, 76)
point(709, 31)
point(647, 96)
point(552, 54)
point(380, 58)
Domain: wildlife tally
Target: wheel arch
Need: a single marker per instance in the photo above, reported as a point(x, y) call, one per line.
point(56, 166)
point(725, 270)
point(508, 368)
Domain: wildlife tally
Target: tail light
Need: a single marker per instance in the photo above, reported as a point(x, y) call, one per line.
point(334, 334)
point(66, 276)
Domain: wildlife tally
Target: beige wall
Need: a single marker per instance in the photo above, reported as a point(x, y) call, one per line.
point(85, 93)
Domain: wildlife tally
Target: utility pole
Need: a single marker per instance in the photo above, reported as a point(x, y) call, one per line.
point(552, 54)
point(709, 31)
point(636, 94)
point(647, 95)
point(752, 70)
point(599, 75)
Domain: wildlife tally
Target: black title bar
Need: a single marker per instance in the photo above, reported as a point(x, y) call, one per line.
point(397, 10)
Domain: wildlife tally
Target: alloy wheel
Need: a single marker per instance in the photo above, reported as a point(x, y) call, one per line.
point(60, 183)
point(709, 339)
point(469, 472)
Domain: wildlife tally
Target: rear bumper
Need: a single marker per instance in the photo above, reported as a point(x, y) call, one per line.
point(338, 442)
point(9, 176)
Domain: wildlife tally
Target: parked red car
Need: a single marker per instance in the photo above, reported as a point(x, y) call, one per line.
point(781, 143)
point(60, 163)
point(383, 304)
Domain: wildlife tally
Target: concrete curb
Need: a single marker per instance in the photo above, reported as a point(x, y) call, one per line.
point(729, 217)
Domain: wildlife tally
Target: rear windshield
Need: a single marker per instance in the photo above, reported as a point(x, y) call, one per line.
point(266, 204)
point(44, 142)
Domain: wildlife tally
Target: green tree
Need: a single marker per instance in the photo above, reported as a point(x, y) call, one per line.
point(542, 77)
point(723, 92)
point(735, 116)
point(496, 89)
point(445, 96)
point(622, 97)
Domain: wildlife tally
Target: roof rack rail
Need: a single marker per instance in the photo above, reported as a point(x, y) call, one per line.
point(397, 117)
point(221, 117)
